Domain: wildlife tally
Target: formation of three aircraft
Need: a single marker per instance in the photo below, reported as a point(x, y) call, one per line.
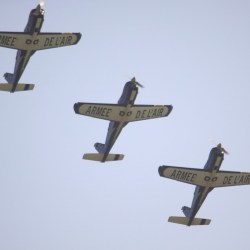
point(119, 115)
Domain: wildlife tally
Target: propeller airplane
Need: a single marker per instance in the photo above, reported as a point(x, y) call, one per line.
point(27, 43)
point(119, 116)
point(205, 180)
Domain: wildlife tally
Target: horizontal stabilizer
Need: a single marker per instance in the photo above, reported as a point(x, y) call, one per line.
point(100, 157)
point(20, 87)
point(185, 221)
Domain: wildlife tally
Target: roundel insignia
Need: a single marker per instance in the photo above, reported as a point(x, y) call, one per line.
point(28, 41)
point(122, 113)
point(36, 41)
point(207, 178)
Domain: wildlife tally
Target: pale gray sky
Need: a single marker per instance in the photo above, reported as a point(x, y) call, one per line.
point(194, 55)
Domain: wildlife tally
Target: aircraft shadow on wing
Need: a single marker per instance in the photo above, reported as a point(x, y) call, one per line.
point(119, 115)
point(27, 43)
point(205, 180)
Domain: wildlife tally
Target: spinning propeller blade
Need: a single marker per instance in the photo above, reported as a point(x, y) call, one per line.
point(223, 150)
point(136, 83)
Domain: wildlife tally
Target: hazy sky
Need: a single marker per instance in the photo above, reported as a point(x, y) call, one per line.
point(192, 54)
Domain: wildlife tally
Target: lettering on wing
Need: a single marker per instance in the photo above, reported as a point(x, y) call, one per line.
point(98, 111)
point(149, 113)
point(183, 175)
point(58, 41)
point(241, 179)
point(7, 40)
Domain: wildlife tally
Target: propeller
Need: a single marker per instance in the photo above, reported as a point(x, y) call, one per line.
point(219, 146)
point(42, 3)
point(133, 80)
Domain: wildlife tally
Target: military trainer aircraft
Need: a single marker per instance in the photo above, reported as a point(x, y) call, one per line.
point(27, 43)
point(205, 180)
point(119, 116)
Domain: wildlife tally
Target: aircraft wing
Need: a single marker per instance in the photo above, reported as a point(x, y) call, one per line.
point(23, 41)
point(55, 40)
point(109, 112)
point(192, 176)
point(229, 178)
point(119, 113)
point(143, 112)
point(13, 40)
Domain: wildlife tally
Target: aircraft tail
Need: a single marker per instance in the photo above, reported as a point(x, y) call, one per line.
point(19, 87)
point(99, 147)
point(101, 157)
point(185, 221)
point(9, 77)
point(186, 211)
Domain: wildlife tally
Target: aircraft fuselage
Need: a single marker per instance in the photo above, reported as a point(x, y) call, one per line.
point(33, 27)
point(213, 164)
point(127, 99)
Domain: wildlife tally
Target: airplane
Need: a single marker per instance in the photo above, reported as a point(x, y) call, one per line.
point(205, 180)
point(119, 116)
point(27, 43)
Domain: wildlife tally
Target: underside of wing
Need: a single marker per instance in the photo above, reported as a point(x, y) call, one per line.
point(228, 178)
point(56, 40)
point(14, 40)
point(144, 112)
point(23, 41)
point(188, 175)
point(111, 112)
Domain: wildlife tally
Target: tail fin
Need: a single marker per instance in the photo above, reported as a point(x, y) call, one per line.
point(103, 158)
point(8, 77)
point(185, 221)
point(99, 147)
point(19, 87)
point(186, 211)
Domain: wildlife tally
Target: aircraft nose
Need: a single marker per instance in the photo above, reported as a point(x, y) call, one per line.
point(39, 10)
